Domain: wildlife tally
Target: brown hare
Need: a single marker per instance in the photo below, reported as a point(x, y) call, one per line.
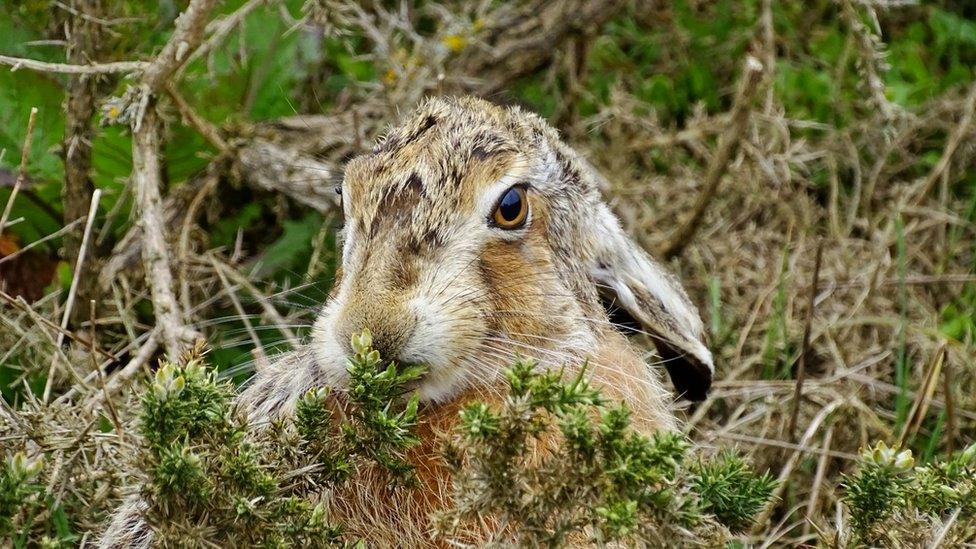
point(472, 235)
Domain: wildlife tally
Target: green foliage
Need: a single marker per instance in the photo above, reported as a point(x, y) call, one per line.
point(213, 477)
point(731, 491)
point(558, 464)
point(18, 491)
point(377, 429)
point(888, 485)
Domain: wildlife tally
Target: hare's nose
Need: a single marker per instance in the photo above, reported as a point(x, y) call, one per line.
point(389, 343)
point(390, 334)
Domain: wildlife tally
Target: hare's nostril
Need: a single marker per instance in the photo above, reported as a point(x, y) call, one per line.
point(389, 342)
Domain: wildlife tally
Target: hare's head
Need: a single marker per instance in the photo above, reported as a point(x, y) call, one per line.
point(473, 234)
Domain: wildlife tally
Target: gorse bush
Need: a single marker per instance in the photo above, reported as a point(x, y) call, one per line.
point(214, 476)
point(894, 502)
point(18, 491)
point(557, 462)
point(554, 463)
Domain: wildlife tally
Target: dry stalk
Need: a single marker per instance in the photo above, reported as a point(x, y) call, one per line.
point(801, 366)
point(950, 410)
point(959, 132)
point(226, 271)
point(784, 475)
point(20, 305)
point(813, 502)
point(22, 173)
point(752, 73)
point(923, 398)
point(113, 413)
point(73, 292)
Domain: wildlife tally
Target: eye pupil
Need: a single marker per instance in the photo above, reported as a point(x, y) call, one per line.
point(512, 209)
point(510, 206)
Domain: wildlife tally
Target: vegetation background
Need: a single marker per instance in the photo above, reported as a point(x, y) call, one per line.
point(806, 167)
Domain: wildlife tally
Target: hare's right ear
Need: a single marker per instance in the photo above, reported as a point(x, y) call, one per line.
point(627, 277)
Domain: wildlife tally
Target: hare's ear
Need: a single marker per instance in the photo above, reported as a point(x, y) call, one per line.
point(629, 279)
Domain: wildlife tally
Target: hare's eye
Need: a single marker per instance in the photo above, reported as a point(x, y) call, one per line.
point(512, 209)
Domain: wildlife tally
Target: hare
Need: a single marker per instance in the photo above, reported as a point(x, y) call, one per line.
point(474, 235)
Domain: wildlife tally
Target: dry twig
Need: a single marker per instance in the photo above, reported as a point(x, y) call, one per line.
point(73, 291)
point(64, 68)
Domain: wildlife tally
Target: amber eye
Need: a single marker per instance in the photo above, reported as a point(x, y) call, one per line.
point(512, 209)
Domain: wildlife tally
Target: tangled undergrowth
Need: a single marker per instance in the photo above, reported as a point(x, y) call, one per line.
point(557, 463)
point(209, 476)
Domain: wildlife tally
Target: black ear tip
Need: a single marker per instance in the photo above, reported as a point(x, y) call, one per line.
point(691, 381)
point(691, 378)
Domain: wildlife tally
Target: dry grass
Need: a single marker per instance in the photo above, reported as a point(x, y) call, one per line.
point(891, 261)
point(897, 248)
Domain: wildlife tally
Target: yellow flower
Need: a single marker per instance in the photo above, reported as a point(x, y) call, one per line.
point(455, 42)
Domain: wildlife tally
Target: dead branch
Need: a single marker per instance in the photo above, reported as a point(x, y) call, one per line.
point(146, 133)
point(727, 143)
point(299, 156)
point(118, 67)
point(86, 40)
point(187, 36)
point(155, 255)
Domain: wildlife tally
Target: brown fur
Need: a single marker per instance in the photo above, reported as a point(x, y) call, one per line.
point(426, 271)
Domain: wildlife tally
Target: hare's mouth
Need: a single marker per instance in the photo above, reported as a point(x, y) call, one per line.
point(434, 384)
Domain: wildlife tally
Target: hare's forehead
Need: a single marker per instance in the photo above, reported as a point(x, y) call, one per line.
point(430, 185)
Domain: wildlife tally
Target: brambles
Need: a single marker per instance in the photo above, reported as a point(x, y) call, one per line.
point(558, 464)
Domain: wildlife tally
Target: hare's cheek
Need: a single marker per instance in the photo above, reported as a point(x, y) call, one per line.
point(329, 351)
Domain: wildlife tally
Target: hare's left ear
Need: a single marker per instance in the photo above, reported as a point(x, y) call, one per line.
point(628, 278)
